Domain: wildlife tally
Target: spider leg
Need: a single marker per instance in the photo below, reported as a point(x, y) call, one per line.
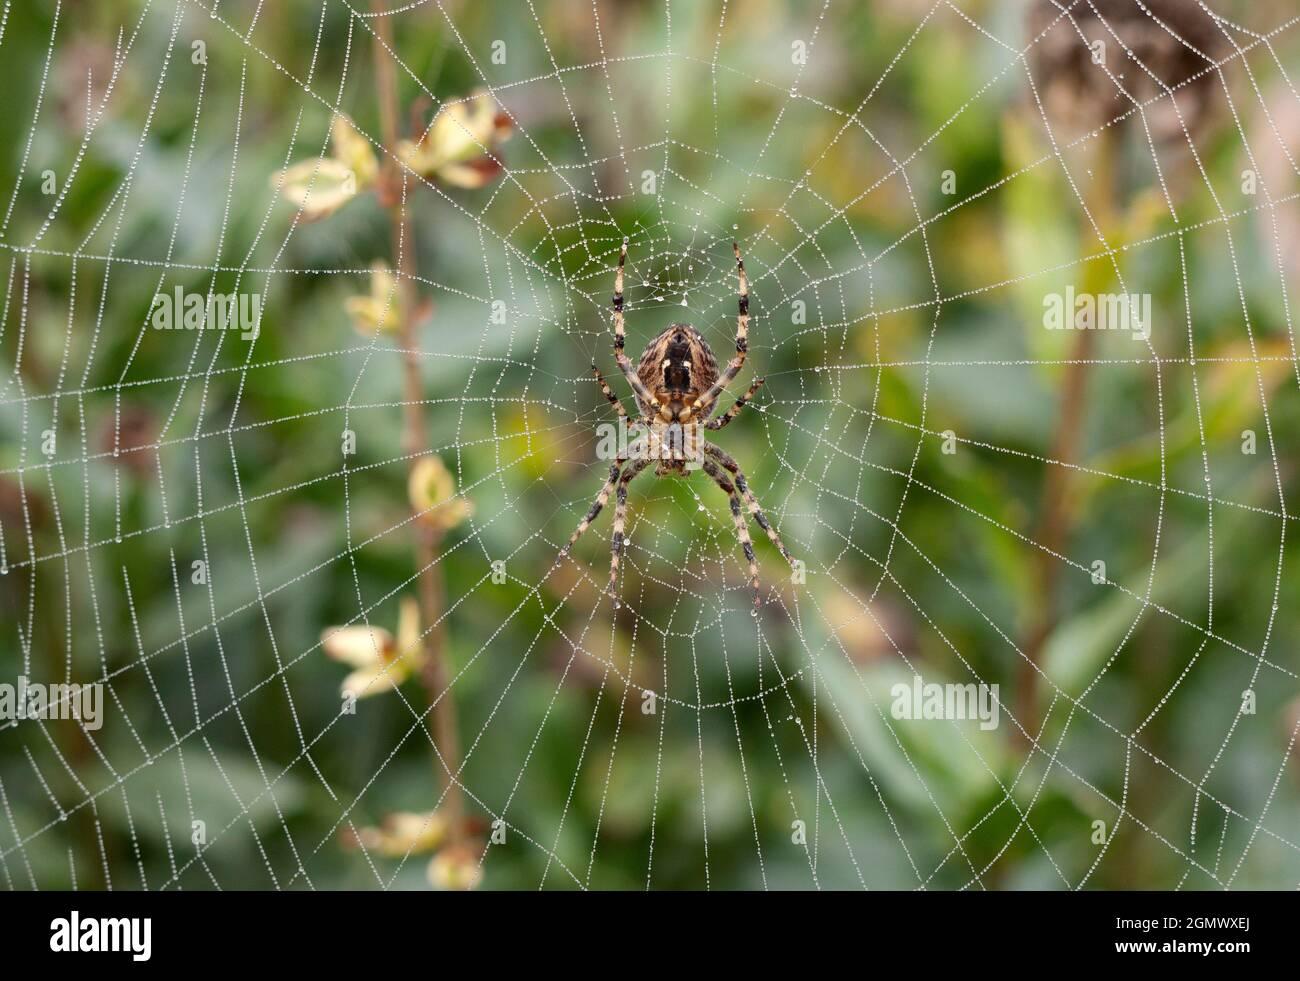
point(608, 392)
point(742, 532)
point(742, 485)
point(620, 516)
point(620, 334)
point(620, 338)
point(734, 411)
point(705, 402)
point(596, 505)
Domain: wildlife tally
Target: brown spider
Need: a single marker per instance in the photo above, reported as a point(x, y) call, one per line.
point(676, 386)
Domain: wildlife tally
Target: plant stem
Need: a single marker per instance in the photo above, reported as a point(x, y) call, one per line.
point(432, 584)
point(1054, 517)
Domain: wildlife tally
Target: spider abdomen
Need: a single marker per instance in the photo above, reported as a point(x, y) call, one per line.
point(678, 367)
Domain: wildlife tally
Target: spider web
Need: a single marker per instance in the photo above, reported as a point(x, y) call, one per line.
point(772, 757)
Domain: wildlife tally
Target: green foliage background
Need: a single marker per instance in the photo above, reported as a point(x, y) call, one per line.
point(224, 709)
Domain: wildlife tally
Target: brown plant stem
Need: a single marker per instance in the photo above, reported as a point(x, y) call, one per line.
point(1055, 520)
point(431, 582)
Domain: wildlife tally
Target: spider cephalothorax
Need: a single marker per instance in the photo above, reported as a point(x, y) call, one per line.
point(677, 385)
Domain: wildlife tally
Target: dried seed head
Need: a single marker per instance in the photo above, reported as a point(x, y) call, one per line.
point(1095, 61)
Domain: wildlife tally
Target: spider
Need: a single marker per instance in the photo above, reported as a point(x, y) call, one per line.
point(676, 385)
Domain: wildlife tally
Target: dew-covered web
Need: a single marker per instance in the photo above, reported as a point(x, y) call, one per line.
point(900, 444)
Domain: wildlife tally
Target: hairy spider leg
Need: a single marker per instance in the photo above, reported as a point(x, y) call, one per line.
point(620, 338)
point(742, 485)
point(620, 516)
point(742, 532)
point(609, 392)
point(705, 402)
point(726, 417)
point(596, 506)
